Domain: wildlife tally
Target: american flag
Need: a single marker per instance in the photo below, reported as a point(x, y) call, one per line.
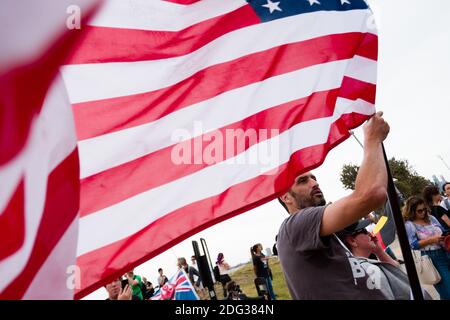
point(152, 78)
point(177, 288)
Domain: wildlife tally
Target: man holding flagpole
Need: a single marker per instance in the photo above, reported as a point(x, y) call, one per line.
point(316, 263)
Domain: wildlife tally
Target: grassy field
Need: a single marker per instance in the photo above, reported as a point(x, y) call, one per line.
point(245, 276)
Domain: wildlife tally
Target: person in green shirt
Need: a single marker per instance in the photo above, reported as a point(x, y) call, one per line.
point(135, 283)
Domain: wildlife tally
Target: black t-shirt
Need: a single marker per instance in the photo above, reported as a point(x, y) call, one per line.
point(438, 212)
point(261, 268)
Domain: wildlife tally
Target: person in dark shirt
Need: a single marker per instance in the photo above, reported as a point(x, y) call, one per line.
point(191, 272)
point(235, 292)
point(261, 267)
point(433, 200)
point(315, 264)
point(274, 248)
point(147, 289)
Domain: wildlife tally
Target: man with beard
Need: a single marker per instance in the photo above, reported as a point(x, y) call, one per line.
point(315, 262)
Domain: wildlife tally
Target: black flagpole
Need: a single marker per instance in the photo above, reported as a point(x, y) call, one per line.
point(402, 236)
point(401, 230)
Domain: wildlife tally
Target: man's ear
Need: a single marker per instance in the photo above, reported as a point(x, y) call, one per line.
point(351, 241)
point(287, 198)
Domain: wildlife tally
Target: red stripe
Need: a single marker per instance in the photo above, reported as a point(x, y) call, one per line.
point(369, 47)
point(61, 207)
point(105, 44)
point(119, 183)
point(354, 89)
point(102, 265)
point(180, 280)
point(109, 115)
point(380, 241)
point(12, 223)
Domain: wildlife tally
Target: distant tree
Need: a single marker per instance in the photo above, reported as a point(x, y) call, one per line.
point(348, 176)
point(408, 181)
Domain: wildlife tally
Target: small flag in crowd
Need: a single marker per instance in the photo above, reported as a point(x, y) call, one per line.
point(177, 288)
point(387, 231)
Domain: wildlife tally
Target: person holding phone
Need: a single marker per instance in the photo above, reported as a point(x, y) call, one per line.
point(426, 234)
point(117, 292)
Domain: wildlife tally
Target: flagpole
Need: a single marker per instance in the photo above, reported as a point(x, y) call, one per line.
point(401, 230)
point(443, 161)
point(402, 236)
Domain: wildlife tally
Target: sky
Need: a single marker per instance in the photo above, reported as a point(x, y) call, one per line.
point(414, 94)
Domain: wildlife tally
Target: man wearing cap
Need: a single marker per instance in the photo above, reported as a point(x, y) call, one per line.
point(315, 262)
point(362, 243)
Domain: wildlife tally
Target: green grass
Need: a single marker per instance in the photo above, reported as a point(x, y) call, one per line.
point(245, 277)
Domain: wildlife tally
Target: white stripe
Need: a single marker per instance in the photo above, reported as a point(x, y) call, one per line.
point(51, 140)
point(344, 106)
point(124, 219)
point(87, 82)
point(160, 15)
point(10, 175)
point(363, 69)
point(109, 150)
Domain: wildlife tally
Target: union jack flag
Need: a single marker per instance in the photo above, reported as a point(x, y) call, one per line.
point(177, 288)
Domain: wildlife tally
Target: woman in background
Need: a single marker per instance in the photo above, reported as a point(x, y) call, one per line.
point(223, 270)
point(261, 267)
point(425, 234)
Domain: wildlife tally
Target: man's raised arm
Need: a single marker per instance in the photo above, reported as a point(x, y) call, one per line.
point(370, 186)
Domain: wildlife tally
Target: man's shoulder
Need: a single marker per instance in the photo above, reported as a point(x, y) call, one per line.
point(300, 226)
point(302, 214)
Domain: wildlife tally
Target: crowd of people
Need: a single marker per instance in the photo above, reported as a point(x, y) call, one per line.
point(130, 287)
point(134, 287)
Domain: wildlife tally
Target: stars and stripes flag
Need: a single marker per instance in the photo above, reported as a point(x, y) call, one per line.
point(177, 288)
point(39, 168)
point(190, 112)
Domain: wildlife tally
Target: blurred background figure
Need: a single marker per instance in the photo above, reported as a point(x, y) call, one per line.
point(433, 200)
point(224, 276)
point(261, 267)
point(190, 271)
point(116, 292)
point(162, 279)
point(135, 282)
